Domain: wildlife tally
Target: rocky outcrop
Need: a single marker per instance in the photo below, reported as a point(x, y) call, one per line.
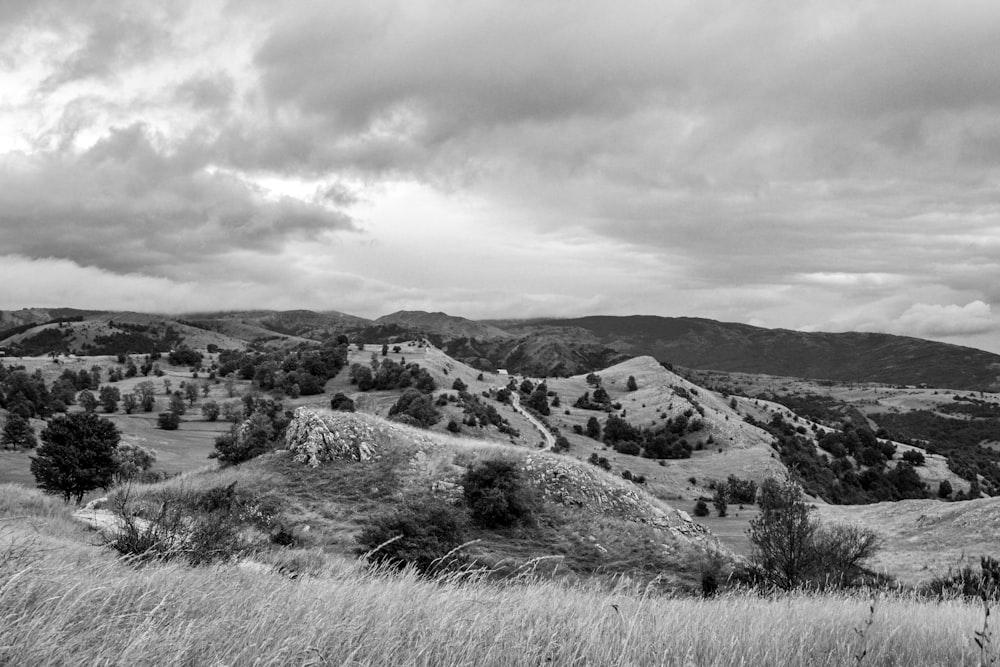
point(571, 484)
point(315, 437)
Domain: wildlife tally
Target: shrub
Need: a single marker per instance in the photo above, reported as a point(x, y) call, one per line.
point(701, 508)
point(599, 461)
point(944, 489)
point(210, 410)
point(497, 495)
point(168, 421)
point(245, 441)
point(913, 457)
point(741, 491)
point(458, 385)
point(342, 402)
point(421, 533)
point(966, 582)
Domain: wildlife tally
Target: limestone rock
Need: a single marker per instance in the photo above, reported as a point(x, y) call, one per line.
point(314, 438)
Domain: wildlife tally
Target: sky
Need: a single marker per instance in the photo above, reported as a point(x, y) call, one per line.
point(822, 166)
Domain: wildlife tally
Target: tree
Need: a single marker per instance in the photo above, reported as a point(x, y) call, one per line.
point(191, 392)
point(538, 401)
point(76, 455)
point(782, 535)
point(147, 395)
point(109, 397)
point(17, 432)
point(210, 410)
point(720, 500)
point(129, 403)
point(631, 385)
point(416, 408)
point(87, 400)
point(593, 428)
point(177, 406)
point(944, 489)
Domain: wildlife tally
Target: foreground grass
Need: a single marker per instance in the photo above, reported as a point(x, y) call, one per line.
point(65, 601)
point(57, 612)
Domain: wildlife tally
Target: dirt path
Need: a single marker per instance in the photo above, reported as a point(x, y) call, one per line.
point(515, 401)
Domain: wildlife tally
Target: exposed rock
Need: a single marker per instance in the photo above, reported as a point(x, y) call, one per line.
point(314, 438)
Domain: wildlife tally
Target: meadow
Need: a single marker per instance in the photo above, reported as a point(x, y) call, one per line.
point(65, 600)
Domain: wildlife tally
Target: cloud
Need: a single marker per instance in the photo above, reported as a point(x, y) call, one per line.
point(785, 163)
point(127, 204)
point(942, 321)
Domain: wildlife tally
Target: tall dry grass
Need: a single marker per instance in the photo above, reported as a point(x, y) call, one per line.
point(60, 612)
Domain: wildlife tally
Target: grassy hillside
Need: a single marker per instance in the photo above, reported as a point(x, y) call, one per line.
point(62, 596)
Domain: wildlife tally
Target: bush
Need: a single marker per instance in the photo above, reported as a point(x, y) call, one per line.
point(200, 534)
point(168, 421)
point(701, 508)
point(210, 410)
point(421, 533)
point(944, 489)
point(416, 406)
point(966, 582)
point(913, 457)
point(342, 402)
point(741, 491)
point(599, 461)
point(496, 494)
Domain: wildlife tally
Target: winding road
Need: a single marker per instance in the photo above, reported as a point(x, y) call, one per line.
point(515, 401)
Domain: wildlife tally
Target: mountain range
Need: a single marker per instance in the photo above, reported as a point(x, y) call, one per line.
point(541, 347)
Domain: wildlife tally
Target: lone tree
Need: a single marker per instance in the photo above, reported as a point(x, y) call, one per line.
point(782, 535)
point(791, 548)
point(631, 385)
point(77, 455)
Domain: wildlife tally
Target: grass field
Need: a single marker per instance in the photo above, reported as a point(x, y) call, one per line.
point(65, 601)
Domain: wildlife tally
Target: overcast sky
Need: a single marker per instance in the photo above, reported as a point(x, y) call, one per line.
point(809, 165)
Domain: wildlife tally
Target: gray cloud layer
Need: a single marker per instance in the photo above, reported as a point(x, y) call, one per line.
point(796, 164)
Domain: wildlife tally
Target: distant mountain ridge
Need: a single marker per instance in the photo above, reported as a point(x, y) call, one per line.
point(569, 346)
point(844, 357)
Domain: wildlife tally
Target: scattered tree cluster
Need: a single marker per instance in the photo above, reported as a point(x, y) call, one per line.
point(849, 466)
point(388, 374)
point(303, 371)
